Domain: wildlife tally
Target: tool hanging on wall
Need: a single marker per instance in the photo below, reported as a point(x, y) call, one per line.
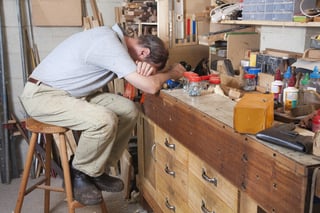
point(34, 58)
point(22, 39)
point(179, 19)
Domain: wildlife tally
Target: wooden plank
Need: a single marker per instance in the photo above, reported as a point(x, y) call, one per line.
point(86, 23)
point(95, 10)
point(101, 23)
point(118, 86)
point(247, 204)
point(118, 14)
point(282, 53)
point(125, 166)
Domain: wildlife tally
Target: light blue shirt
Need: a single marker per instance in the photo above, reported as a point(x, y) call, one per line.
point(86, 61)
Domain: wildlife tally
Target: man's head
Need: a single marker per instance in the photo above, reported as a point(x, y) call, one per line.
point(150, 49)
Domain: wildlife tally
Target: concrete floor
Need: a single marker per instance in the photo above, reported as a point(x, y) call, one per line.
point(33, 202)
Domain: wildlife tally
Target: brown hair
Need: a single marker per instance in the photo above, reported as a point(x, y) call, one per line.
point(158, 52)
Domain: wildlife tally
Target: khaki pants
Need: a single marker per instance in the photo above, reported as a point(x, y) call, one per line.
point(105, 120)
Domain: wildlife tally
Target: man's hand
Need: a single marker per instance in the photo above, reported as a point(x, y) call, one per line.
point(145, 69)
point(149, 80)
point(177, 71)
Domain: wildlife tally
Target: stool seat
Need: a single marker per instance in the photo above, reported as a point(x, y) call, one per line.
point(36, 128)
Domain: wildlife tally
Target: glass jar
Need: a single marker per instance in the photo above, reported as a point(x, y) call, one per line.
point(185, 80)
point(205, 81)
point(195, 86)
point(249, 82)
point(215, 85)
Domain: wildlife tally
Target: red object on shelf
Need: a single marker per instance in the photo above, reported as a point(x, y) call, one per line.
point(188, 26)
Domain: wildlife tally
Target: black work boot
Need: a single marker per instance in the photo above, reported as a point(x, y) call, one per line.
point(84, 191)
point(108, 183)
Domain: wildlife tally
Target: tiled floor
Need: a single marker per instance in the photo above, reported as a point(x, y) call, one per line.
point(33, 202)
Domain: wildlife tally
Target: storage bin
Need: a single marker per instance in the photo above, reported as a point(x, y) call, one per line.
point(273, 10)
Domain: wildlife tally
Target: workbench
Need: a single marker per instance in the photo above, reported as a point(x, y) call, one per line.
point(248, 175)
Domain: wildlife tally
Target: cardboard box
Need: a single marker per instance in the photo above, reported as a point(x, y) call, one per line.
point(56, 13)
point(239, 43)
point(253, 113)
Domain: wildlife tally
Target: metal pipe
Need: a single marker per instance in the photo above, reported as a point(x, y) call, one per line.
point(22, 41)
point(5, 164)
point(30, 25)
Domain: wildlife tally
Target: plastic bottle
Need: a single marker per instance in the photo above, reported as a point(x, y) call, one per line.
point(290, 95)
point(314, 82)
point(286, 77)
point(303, 88)
point(276, 86)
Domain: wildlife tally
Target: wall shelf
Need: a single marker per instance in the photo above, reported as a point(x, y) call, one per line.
point(272, 23)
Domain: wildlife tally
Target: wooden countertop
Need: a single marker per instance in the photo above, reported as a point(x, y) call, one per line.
point(221, 109)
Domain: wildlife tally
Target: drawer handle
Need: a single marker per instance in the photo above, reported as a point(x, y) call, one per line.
point(169, 145)
point(169, 172)
point(204, 208)
point(169, 206)
point(152, 151)
point(214, 181)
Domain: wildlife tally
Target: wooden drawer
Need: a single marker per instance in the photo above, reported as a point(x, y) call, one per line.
point(172, 192)
point(171, 180)
point(176, 149)
point(208, 189)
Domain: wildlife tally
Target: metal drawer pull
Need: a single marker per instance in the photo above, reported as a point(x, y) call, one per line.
point(167, 170)
point(214, 181)
point(204, 208)
point(169, 145)
point(169, 206)
point(152, 151)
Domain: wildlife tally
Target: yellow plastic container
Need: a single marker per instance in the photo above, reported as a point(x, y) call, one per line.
point(253, 113)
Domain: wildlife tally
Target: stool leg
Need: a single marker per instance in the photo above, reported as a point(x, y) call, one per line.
point(103, 207)
point(66, 171)
point(26, 172)
point(48, 147)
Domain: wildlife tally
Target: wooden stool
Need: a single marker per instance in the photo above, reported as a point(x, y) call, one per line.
point(36, 128)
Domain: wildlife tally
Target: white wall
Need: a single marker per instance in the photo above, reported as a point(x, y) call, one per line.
point(295, 39)
point(46, 38)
